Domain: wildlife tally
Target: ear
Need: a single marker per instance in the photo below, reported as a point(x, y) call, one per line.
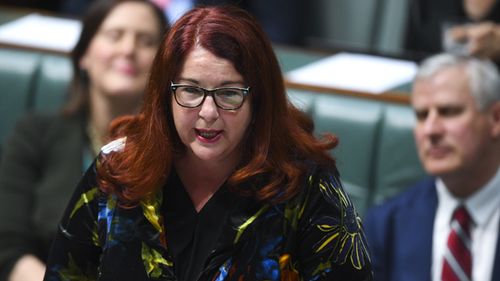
point(495, 119)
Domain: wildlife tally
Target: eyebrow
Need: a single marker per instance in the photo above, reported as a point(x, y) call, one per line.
point(224, 83)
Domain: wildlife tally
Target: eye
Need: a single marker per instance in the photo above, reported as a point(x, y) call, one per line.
point(191, 90)
point(450, 111)
point(112, 35)
point(421, 114)
point(147, 40)
point(229, 93)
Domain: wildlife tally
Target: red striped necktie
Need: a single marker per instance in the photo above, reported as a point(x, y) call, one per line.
point(457, 261)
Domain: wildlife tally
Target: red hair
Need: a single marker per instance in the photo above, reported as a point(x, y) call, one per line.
point(279, 139)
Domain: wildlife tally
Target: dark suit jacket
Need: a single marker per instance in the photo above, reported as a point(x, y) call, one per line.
point(399, 235)
point(40, 167)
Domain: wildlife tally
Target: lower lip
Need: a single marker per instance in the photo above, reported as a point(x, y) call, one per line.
point(127, 70)
point(437, 153)
point(212, 140)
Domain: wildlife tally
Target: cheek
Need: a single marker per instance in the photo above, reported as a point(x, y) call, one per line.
point(183, 120)
point(244, 122)
point(97, 67)
point(418, 136)
point(469, 140)
point(145, 57)
point(178, 118)
point(99, 53)
point(462, 132)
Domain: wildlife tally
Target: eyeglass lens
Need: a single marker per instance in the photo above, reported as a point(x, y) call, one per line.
point(226, 98)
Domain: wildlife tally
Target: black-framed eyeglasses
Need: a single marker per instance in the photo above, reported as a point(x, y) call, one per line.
point(227, 98)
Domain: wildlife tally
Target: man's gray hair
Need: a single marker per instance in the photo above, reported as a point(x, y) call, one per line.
point(484, 79)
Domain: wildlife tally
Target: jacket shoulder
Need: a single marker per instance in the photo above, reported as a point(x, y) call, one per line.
point(421, 191)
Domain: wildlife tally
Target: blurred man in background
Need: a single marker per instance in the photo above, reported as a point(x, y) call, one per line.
point(447, 226)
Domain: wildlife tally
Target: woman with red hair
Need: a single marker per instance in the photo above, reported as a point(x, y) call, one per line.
point(218, 178)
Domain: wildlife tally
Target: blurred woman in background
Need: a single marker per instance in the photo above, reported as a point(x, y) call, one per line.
point(47, 154)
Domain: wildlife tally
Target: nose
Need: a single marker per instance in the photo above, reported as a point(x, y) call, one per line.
point(209, 110)
point(128, 44)
point(432, 125)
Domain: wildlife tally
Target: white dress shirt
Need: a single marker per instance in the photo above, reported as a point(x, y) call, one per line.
point(484, 208)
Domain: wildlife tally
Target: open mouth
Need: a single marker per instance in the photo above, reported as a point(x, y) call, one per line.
point(208, 134)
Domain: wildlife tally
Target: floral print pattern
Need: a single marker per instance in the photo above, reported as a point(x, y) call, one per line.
point(316, 235)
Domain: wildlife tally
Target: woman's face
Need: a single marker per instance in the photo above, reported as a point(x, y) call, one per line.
point(120, 55)
point(211, 133)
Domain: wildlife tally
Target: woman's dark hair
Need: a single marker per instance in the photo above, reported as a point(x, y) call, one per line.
point(91, 22)
point(278, 141)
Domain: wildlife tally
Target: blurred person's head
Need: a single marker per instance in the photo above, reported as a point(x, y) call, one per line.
point(457, 104)
point(113, 56)
point(252, 125)
point(478, 10)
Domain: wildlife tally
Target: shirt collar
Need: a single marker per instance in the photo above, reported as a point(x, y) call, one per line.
point(480, 205)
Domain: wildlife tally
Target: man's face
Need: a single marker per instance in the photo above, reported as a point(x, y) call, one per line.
point(452, 134)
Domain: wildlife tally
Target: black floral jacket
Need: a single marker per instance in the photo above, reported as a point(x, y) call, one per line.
point(317, 235)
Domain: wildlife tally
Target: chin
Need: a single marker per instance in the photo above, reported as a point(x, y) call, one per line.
point(206, 158)
point(205, 155)
point(130, 91)
point(126, 84)
point(439, 169)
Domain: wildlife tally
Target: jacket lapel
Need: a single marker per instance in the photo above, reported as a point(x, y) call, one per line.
point(423, 243)
point(418, 218)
